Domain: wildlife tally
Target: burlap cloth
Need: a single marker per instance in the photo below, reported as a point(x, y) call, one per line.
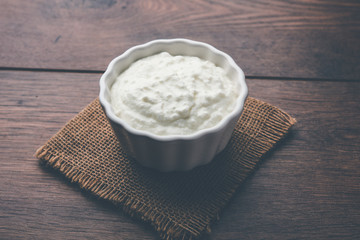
point(179, 205)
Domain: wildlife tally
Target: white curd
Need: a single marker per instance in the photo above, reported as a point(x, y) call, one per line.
point(173, 95)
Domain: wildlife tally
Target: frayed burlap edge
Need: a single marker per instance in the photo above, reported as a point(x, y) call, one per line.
point(278, 124)
point(164, 226)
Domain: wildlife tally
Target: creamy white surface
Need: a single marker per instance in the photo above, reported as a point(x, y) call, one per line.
point(173, 95)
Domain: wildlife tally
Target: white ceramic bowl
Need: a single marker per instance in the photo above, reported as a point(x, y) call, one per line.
point(175, 152)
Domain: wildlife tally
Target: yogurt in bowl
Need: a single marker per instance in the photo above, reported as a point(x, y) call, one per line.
point(173, 104)
point(173, 95)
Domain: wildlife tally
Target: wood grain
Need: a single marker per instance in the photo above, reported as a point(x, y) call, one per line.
point(308, 188)
point(36, 203)
point(278, 38)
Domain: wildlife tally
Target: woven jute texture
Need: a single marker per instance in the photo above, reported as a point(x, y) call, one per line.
point(179, 205)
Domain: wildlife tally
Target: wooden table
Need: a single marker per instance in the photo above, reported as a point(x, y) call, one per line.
point(302, 56)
